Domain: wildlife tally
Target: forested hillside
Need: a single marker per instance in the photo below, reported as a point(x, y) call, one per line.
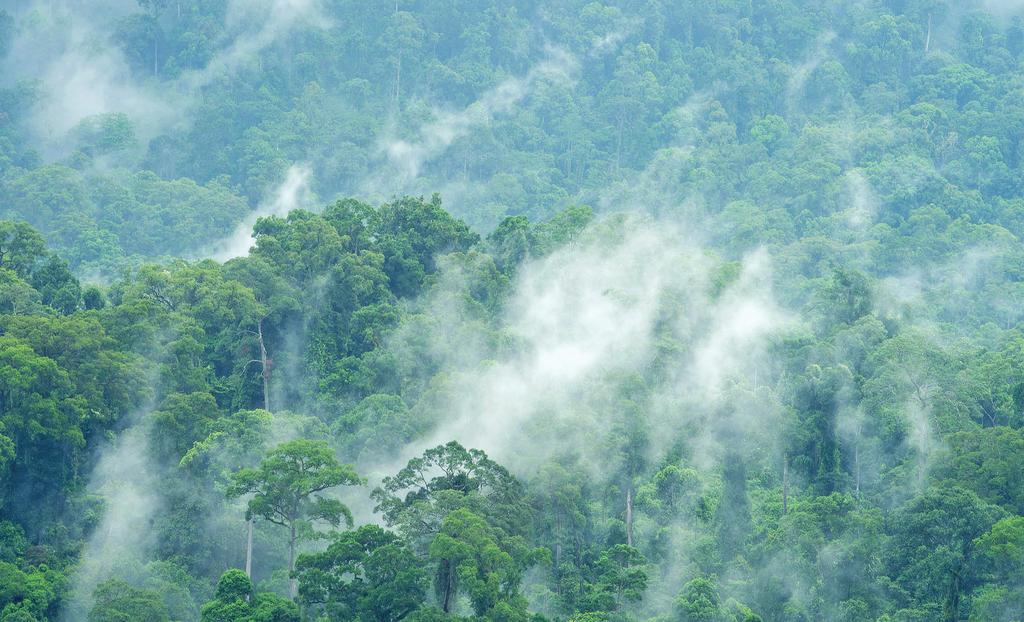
point(429, 310)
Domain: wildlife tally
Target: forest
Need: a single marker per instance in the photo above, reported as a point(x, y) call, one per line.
point(522, 311)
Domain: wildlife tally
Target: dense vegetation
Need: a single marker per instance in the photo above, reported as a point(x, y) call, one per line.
point(775, 372)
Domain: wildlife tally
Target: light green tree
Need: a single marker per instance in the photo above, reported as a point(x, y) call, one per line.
point(285, 486)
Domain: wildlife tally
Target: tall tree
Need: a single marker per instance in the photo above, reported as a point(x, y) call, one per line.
point(284, 488)
point(467, 514)
point(153, 10)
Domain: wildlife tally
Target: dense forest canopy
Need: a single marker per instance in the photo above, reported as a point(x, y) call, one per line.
point(588, 311)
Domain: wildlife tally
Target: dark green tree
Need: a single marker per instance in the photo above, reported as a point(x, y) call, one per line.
point(367, 574)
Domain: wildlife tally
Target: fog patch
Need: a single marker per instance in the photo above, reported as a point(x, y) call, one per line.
point(599, 311)
point(127, 481)
point(80, 73)
point(610, 41)
point(258, 24)
point(66, 49)
point(294, 193)
point(1005, 8)
point(660, 188)
point(798, 79)
point(864, 203)
point(403, 159)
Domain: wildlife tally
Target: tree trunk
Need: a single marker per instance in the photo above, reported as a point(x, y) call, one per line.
point(928, 37)
point(248, 549)
point(785, 483)
point(558, 539)
point(629, 516)
point(292, 584)
point(446, 592)
point(263, 362)
point(856, 468)
point(952, 613)
point(398, 81)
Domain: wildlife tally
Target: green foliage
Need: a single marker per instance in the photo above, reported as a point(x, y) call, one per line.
point(865, 466)
point(367, 574)
point(284, 489)
point(469, 559)
point(105, 134)
point(445, 478)
point(933, 545)
point(467, 515)
point(986, 461)
point(21, 247)
point(235, 600)
point(699, 602)
point(285, 484)
point(117, 601)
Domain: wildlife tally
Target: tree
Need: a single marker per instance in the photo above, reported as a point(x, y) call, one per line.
point(302, 245)
point(117, 601)
point(411, 233)
point(672, 490)
point(814, 439)
point(511, 242)
point(732, 516)
point(153, 10)
point(57, 286)
point(235, 600)
point(100, 135)
point(355, 221)
point(377, 424)
point(404, 36)
point(619, 577)
point(16, 296)
point(699, 602)
point(847, 296)
point(181, 420)
point(470, 559)
point(93, 299)
point(284, 488)
point(770, 131)
point(631, 94)
point(21, 247)
point(1003, 548)
point(932, 549)
point(40, 416)
point(467, 514)
point(449, 477)
point(368, 574)
point(988, 462)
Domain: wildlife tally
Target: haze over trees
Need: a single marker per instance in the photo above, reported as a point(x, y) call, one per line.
point(588, 311)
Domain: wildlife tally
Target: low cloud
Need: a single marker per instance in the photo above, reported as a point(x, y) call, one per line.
point(293, 193)
point(82, 72)
point(632, 293)
point(404, 159)
point(126, 479)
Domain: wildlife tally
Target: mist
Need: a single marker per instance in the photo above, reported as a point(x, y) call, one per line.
point(402, 160)
point(82, 73)
point(728, 294)
point(293, 193)
point(127, 481)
